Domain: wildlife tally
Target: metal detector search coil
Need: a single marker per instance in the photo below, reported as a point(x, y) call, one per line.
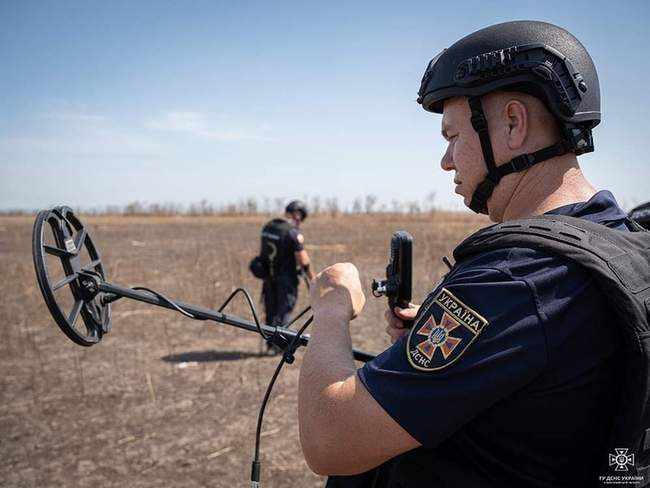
point(70, 238)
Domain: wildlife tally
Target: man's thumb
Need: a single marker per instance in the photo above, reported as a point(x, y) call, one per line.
point(406, 313)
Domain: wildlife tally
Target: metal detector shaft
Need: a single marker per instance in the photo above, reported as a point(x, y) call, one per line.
point(207, 314)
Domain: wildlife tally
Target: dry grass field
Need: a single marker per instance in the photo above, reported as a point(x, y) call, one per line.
point(164, 400)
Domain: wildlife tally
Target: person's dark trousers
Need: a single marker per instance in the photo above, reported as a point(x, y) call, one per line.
point(280, 296)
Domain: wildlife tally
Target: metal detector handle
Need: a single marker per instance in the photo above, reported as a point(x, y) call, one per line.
point(399, 274)
point(306, 280)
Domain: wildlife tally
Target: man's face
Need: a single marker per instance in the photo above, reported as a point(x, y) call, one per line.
point(463, 155)
point(296, 217)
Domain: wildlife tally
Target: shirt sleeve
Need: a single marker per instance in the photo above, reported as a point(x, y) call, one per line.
point(478, 338)
point(296, 240)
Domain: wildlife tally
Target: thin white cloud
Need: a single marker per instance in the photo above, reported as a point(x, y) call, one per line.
point(83, 133)
point(89, 144)
point(198, 124)
point(180, 122)
point(79, 133)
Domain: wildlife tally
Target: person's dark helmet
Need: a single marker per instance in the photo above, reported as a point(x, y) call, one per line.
point(297, 206)
point(541, 59)
point(532, 57)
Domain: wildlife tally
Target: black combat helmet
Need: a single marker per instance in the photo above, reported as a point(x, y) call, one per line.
point(297, 206)
point(533, 57)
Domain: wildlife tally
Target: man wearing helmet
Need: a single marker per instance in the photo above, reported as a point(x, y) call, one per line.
point(508, 376)
point(284, 257)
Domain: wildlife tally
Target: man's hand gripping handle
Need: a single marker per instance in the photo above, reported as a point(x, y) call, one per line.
point(398, 283)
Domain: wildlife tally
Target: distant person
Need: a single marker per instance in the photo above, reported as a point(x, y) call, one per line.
point(281, 261)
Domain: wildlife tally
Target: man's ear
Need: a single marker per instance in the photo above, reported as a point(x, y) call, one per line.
point(517, 115)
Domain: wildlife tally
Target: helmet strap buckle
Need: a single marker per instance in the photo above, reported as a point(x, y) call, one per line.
point(522, 162)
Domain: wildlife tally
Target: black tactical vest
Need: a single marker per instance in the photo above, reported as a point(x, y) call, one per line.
point(620, 263)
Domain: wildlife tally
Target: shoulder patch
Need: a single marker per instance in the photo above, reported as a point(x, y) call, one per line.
point(442, 333)
point(300, 239)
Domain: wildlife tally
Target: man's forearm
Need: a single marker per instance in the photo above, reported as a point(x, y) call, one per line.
point(343, 430)
point(327, 363)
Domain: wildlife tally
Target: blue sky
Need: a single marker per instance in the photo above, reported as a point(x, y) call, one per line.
point(114, 102)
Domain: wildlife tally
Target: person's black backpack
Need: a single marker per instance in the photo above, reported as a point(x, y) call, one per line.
point(273, 249)
point(620, 263)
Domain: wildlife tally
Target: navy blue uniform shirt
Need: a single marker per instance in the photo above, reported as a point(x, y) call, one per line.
point(292, 243)
point(510, 371)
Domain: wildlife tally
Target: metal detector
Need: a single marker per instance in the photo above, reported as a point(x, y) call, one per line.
point(64, 251)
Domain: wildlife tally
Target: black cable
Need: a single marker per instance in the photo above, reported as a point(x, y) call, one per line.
point(252, 306)
point(298, 316)
point(287, 357)
point(168, 301)
point(108, 298)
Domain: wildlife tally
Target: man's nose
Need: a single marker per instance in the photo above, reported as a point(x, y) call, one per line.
point(447, 161)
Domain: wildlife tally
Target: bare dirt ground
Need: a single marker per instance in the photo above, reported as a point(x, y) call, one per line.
point(164, 400)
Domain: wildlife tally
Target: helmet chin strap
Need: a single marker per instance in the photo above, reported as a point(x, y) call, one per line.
point(495, 173)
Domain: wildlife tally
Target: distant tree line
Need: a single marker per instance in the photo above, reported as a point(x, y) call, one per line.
point(368, 204)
